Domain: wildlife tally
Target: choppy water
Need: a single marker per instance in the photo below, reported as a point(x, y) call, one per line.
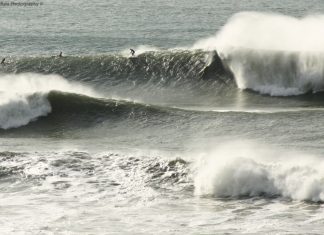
point(215, 126)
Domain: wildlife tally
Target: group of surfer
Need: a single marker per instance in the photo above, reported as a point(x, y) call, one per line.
point(4, 59)
point(132, 51)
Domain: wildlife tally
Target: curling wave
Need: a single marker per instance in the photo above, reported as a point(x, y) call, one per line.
point(24, 97)
point(54, 101)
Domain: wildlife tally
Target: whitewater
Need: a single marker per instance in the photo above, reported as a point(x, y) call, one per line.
point(215, 126)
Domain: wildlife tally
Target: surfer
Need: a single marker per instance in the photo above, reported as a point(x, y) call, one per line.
point(132, 52)
point(3, 61)
point(60, 55)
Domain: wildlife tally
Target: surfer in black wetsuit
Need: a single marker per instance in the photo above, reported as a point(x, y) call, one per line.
point(3, 61)
point(132, 52)
point(60, 55)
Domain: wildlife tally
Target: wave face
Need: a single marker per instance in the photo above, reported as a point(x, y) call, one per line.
point(272, 54)
point(165, 68)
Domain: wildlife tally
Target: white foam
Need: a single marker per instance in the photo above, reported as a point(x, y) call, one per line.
point(139, 50)
point(277, 73)
point(23, 97)
point(20, 109)
point(271, 53)
point(248, 169)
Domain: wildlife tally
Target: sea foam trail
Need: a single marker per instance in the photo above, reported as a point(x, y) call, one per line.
point(270, 53)
point(240, 169)
point(24, 96)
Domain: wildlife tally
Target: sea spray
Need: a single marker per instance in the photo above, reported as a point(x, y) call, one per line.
point(272, 54)
point(268, 31)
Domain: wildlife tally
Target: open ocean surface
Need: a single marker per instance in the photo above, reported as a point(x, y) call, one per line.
point(215, 126)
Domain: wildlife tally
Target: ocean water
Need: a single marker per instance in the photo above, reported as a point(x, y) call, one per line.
point(214, 126)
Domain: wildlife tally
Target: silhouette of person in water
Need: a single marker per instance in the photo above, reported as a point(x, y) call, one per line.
point(3, 61)
point(132, 52)
point(60, 55)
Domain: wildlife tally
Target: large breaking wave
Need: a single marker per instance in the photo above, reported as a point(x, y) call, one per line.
point(245, 169)
point(272, 54)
